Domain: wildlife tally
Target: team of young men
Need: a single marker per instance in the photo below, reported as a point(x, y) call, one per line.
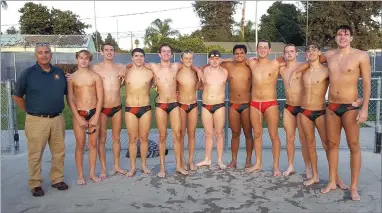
point(252, 95)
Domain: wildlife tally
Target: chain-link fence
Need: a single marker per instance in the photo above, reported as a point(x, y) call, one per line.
point(14, 63)
point(9, 135)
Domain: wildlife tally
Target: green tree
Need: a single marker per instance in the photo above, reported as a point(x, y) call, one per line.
point(97, 39)
point(282, 23)
point(66, 23)
point(216, 18)
point(136, 42)
point(249, 32)
point(325, 17)
point(38, 19)
point(12, 30)
point(157, 31)
point(35, 19)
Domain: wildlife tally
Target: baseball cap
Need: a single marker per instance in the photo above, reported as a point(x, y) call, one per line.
point(214, 53)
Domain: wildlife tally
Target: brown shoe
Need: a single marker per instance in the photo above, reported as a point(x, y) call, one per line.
point(37, 191)
point(60, 186)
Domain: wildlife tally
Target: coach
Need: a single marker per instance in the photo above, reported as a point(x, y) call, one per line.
point(44, 87)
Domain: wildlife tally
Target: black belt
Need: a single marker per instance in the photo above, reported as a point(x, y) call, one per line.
point(45, 115)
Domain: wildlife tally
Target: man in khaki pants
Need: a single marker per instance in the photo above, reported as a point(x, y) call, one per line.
point(44, 87)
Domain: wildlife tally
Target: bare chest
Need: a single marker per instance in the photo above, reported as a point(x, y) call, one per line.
point(264, 73)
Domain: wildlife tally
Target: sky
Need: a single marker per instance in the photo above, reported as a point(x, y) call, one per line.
point(185, 20)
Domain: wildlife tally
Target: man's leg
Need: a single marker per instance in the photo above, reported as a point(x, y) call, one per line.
point(161, 117)
point(219, 121)
point(208, 125)
point(320, 125)
point(79, 134)
point(333, 133)
point(175, 122)
point(257, 124)
point(192, 123)
point(183, 118)
point(132, 130)
point(37, 133)
point(304, 147)
point(289, 123)
point(308, 128)
point(92, 141)
point(144, 129)
point(272, 118)
point(104, 120)
point(234, 122)
point(116, 126)
point(57, 148)
point(352, 129)
point(247, 128)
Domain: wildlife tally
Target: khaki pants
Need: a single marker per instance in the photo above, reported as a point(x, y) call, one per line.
point(40, 131)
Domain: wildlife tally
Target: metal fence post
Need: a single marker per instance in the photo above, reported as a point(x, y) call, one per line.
point(15, 127)
point(14, 65)
point(378, 126)
point(11, 124)
point(226, 116)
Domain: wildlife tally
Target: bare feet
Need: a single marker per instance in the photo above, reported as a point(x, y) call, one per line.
point(256, 167)
point(120, 171)
point(222, 165)
point(289, 171)
point(192, 167)
point(328, 188)
point(311, 181)
point(341, 184)
point(95, 179)
point(131, 173)
point(81, 181)
point(145, 170)
point(204, 163)
point(103, 174)
point(162, 173)
point(248, 163)
point(184, 165)
point(181, 171)
point(276, 173)
point(232, 165)
point(308, 173)
point(354, 195)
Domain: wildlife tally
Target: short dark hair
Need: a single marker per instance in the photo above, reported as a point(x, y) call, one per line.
point(290, 45)
point(138, 50)
point(109, 44)
point(312, 46)
point(263, 40)
point(164, 45)
point(239, 46)
point(345, 28)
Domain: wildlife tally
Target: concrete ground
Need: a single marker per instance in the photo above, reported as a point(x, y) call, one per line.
point(206, 190)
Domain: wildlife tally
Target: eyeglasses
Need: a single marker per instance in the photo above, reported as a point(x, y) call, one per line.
point(42, 44)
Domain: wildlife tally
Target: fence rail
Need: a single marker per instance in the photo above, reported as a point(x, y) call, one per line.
point(14, 63)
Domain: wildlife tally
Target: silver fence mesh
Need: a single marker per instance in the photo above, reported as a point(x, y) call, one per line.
point(9, 141)
point(14, 63)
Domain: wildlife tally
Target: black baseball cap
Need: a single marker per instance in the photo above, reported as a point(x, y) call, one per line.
point(214, 53)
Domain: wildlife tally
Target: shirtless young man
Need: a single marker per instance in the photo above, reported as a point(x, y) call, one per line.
point(315, 82)
point(138, 82)
point(188, 84)
point(239, 78)
point(167, 104)
point(292, 108)
point(85, 95)
point(264, 102)
point(346, 66)
point(111, 108)
point(213, 111)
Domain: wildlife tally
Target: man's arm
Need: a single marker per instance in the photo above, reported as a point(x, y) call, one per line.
point(297, 71)
point(20, 90)
point(70, 100)
point(99, 91)
point(199, 72)
point(366, 85)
